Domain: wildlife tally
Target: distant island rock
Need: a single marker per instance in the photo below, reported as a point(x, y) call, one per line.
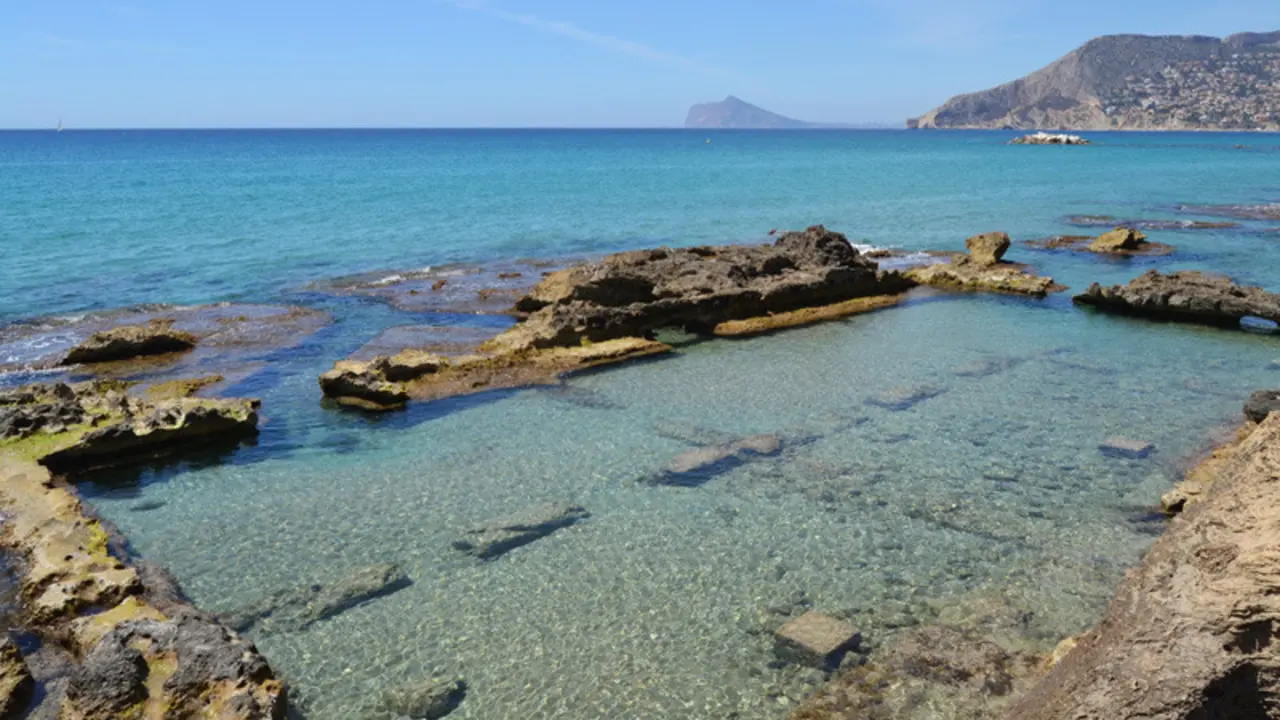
point(735, 114)
point(1135, 82)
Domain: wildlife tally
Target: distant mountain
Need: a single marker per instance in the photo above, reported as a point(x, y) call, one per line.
point(733, 113)
point(1135, 82)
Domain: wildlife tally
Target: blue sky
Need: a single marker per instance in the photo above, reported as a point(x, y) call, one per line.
point(608, 63)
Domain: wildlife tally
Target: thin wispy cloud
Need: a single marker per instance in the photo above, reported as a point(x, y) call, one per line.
point(573, 32)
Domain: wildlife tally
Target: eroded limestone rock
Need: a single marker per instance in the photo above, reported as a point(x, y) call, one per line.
point(988, 248)
point(16, 684)
point(962, 273)
point(131, 341)
point(1185, 296)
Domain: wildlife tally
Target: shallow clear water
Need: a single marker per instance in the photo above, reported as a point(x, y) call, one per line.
point(653, 606)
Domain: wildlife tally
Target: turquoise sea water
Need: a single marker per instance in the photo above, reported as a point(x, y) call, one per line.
point(652, 607)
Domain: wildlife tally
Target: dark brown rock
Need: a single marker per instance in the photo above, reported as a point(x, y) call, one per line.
point(130, 341)
point(1191, 632)
point(204, 671)
point(500, 536)
point(988, 248)
point(1185, 296)
point(16, 684)
point(635, 293)
point(1261, 404)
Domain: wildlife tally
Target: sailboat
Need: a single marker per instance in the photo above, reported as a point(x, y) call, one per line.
point(59, 129)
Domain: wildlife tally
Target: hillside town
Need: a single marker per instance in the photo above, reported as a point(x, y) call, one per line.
point(1240, 90)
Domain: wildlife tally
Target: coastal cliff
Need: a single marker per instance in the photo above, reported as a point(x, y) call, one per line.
point(1134, 82)
point(1191, 631)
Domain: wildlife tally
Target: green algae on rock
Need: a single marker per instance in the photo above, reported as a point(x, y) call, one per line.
point(96, 424)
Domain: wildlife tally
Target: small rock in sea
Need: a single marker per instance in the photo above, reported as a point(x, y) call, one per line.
point(1261, 404)
point(131, 341)
point(431, 700)
point(1044, 138)
point(1121, 447)
point(904, 398)
point(1119, 240)
point(500, 536)
point(815, 639)
point(987, 248)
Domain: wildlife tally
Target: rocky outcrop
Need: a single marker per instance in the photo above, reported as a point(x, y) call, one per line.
point(92, 425)
point(184, 666)
point(1185, 296)
point(1121, 242)
point(1261, 404)
point(965, 274)
point(297, 610)
point(131, 341)
point(138, 661)
point(500, 536)
point(1190, 633)
point(1044, 138)
point(987, 248)
point(607, 311)
point(16, 683)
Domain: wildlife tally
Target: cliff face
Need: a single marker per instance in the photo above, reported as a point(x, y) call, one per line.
point(732, 113)
point(1191, 634)
point(1134, 82)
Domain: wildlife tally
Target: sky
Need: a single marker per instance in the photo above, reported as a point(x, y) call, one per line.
point(540, 63)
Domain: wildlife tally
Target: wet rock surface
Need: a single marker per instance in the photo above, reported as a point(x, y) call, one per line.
point(1261, 404)
point(490, 289)
point(1185, 296)
point(186, 666)
point(1190, 631)
point(131, 341)
point(430, 700)
point(97, 424)
point(1113, 222)
point(499, 536)
point(16, 683)
point(297, 610)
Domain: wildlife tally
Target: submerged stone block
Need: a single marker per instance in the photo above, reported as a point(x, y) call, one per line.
point(1121, 447)
point(815, 639)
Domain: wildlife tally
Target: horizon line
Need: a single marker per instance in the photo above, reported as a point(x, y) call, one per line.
point(850, 126)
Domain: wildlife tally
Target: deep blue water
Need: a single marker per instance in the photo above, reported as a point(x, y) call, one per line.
point(652, 608)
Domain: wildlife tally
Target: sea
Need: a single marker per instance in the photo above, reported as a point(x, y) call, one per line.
point(659, 605)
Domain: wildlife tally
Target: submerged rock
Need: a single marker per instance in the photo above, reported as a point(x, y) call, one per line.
point(500, 536)
point(431, 700)
point(1121, 242)
point(816, 639)
point(186, 666)
point(694, 467)
point(988, 248)
point(16, 683)
point(964, 274)
point(1186, 296)
point(297, 610)
point(131, 341)
point(1190, 633)
point(905, 397)
point(1110, 221)
point(1121, 447)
